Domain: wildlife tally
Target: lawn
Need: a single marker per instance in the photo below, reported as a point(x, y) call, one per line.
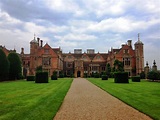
point(26, 100)
point(144, 95)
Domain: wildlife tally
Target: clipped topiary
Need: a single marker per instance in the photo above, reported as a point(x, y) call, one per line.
point(104, 77)
point(31, 78)
point(54, 76)
point(136, 79)
point(41, 77)
point(121, 77)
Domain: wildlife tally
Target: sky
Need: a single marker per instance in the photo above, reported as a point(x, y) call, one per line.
point(85, 24)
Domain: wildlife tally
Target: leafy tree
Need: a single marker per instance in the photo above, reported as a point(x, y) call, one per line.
point(142, 75)
point(15, 71)
point(39, 69)
point(4, 66)
point(118, 66)
point(108, 69)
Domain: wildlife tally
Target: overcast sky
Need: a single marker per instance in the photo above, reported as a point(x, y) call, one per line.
point(69, 24)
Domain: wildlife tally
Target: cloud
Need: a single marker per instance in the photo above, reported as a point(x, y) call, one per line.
point(98, 24)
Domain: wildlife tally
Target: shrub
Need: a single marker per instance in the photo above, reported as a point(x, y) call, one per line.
point(61, 75)
point(85, 75)
point(153, 75)
point(111, 75)
point(136, 79)
point(54, 75)
point(96, 75)
point(30, 78)
point(104, 77)
point(121, 77)
point(142, 75)
point(41, 77)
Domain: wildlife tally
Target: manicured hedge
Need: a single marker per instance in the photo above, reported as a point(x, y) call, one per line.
point(136, 79)
point(121, 77)
point(41, 77)
point(96, 75)
point(104, 77)
point(53, 77)
point(30, 78)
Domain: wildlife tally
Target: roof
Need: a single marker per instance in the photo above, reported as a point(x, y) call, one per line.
point(139, 42)
point(34, 40)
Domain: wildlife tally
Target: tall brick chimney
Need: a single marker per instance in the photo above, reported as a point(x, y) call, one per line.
point(38, 39)
point(41, 43)
point(129, 43)
point(22, 50)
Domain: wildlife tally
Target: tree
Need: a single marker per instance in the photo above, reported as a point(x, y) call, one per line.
point(39, 69)
point(108, 69)
point(4, 66)
point(118, 66)
point(15, 71)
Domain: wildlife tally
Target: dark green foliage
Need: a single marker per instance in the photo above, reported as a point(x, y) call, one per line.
point(136, 79)
point(72, 75)
point(15, 71)
point(111, 75)
point(39, 69)
point(54, 76)
point(85, 75)
point(142, 75)
point(24, 72)
point(30, 78)
point(118, 66)
point(96, 75)
point(121, 77)
point(108, 69)
point(153, 75)
point(61, 75)
point(41, 77)
point(104, 77)
point(4, 66)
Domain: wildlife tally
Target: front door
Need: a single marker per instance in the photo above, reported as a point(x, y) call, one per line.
point(78, 74)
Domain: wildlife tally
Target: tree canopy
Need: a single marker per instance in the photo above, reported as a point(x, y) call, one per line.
point(118, 66)
point(15, 71)
point(4, 66)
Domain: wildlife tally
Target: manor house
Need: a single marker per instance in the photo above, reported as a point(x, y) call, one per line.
point(79, 63)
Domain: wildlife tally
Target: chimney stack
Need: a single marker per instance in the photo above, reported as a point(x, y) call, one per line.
point(41, 43)
point(130, 43)
point(38, 39)
point(22, 50)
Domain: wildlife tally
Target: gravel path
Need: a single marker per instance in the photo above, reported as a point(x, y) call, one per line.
point(85, 101)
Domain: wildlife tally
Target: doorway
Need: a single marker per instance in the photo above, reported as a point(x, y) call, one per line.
point(78, 73)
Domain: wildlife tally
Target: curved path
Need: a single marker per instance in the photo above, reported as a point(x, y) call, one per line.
point(85, 101)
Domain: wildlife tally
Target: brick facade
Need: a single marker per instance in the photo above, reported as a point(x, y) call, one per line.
point(79, 64)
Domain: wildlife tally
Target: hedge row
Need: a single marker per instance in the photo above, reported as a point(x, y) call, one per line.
point(136, 79)
point(31, 78)
point(104, 77)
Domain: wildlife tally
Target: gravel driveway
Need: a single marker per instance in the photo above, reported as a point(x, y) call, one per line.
point(85, 101)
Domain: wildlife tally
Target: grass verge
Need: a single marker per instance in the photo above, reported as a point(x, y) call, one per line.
point(26, 100)
point(144, 95)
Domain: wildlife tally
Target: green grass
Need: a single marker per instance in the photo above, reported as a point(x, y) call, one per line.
point(26, 100)
point(144, 95)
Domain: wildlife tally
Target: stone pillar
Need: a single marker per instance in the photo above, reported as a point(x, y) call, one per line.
point(154, 67)
point(146, 70)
